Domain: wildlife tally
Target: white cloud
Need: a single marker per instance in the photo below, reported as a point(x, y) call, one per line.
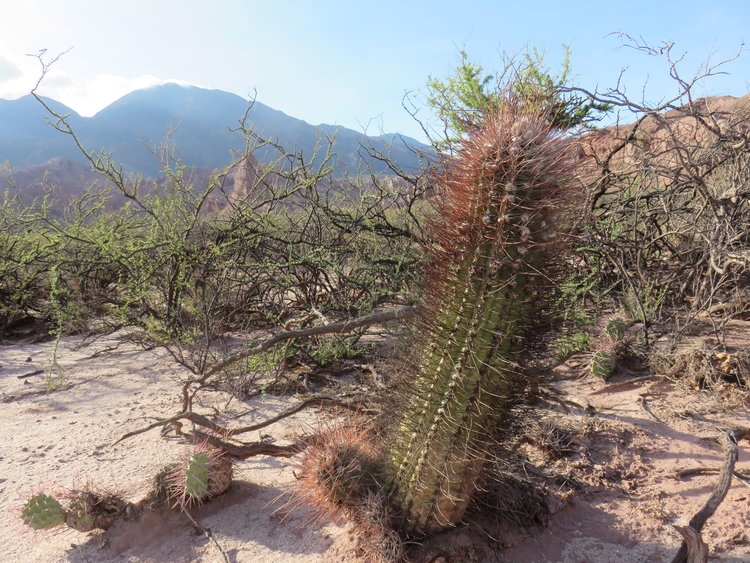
point(18, 75)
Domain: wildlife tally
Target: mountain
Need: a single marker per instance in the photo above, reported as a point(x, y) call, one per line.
point(197, 122)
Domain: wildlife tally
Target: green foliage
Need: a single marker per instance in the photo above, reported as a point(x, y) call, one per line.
point(569, 304)
point(461, 101)
point(644, 305)
point(568, 344)
point(615, 329)
point(544, 91)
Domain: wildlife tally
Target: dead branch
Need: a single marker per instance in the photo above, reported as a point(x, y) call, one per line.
point(319, 402)
point(691, 551)
point(35, 372)
point(627, 384)
point(207, 532)
point(697, 549)
point(334, 328)
point(228, 432)
point(244, 451)
point(645, 406)
point(741, 477)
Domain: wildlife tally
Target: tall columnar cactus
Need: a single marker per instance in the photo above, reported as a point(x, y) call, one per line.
point(494, 240)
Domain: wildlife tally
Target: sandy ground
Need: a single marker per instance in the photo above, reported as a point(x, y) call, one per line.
point(623, 460)
point(62, 439)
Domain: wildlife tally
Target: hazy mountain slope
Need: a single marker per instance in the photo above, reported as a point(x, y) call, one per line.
point(199, 120)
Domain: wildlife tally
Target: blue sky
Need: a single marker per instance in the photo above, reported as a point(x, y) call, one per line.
point(347, 62)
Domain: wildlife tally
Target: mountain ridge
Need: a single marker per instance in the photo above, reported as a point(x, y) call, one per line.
point(197, 121)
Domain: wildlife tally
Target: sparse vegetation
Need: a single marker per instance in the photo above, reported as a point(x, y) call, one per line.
point(529, 226)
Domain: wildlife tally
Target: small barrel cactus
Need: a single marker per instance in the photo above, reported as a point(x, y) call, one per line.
point(42, 512)
point(615, 329)
point(204, 473)
point(337, 470)
point(602, 364)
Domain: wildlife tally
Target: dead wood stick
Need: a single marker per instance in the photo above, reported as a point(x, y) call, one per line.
point(35, 372)
point(334, 328)
point(207, 532)
point(316, 402)
point(728, 443)
point(708, 470)
point(696, 548)
point(627, 384)
point(645, 406)
point(227, 432)
point(244, 451)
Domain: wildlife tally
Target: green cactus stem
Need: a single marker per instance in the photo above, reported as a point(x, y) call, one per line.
point(615, 329)
point(204, 474)
point(602, 364)
point(493, 238)
point(42, 512)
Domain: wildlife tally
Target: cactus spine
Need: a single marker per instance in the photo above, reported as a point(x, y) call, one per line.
point(492, 239)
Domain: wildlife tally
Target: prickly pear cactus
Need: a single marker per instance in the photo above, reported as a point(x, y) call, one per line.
point(42, 512)
point(495, 238)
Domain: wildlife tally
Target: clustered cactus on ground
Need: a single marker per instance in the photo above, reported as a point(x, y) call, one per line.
point(203, 474)
point(84, 511)
point(603, 361)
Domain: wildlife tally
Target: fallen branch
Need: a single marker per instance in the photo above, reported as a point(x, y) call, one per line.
point(691, 551)
point(741, 477)
point(627, 384)
point(244, 451)
point(334, 328)
point(647, 409)
point(228, 432)
point(207, 532)
point(696, 549)
point(317, 402)
point(35, 372)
